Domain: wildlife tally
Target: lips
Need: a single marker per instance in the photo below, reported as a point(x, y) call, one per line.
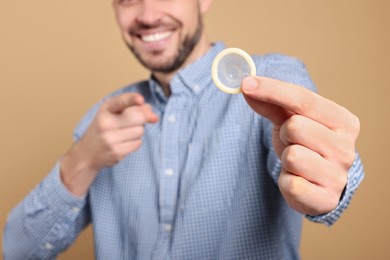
point(153, 40)
point(154, 37)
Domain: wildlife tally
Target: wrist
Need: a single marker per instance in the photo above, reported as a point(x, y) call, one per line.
point(76, 170)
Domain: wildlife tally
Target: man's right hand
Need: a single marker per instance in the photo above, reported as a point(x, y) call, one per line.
point(115, 132)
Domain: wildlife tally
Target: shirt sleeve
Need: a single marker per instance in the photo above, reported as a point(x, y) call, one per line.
point(46, 222)
point(50, 218)
point(355, 176)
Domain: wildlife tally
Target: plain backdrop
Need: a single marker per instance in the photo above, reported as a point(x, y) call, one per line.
point(57, 58)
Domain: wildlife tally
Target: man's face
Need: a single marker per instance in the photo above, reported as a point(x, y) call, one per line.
point(161, 33)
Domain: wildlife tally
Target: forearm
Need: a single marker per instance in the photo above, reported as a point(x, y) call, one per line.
point(45, 222)
point(76, 170)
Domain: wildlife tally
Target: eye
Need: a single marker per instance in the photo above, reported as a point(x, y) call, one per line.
point(127, 2)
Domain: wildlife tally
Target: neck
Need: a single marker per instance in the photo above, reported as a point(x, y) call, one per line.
point(199, 50)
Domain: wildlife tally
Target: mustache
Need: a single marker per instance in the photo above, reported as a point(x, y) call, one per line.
point(142, 26)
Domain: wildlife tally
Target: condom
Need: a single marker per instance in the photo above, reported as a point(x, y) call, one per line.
point(230, 67)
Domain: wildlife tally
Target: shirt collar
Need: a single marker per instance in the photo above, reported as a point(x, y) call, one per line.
point(195, 76)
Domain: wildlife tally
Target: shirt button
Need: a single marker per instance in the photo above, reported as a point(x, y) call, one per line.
point(169, 172)
point(48, 246)
point(167, 227)
point(196, 88)
point(172, 118)
point(75, 210)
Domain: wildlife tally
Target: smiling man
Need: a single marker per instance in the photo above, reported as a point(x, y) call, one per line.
point(173, 168)
point(162, 35)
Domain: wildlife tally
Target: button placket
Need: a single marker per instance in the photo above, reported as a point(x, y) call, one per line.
point(75, 210)
point(167, 228)
point(169, 172)
point(169, 179)
point(172, 118)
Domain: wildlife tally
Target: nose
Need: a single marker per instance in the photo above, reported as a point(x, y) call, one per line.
point(149, 14)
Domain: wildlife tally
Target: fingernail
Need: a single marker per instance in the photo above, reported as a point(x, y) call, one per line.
point(249, 84)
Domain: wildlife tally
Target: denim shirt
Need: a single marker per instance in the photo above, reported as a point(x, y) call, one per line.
point(203, 185)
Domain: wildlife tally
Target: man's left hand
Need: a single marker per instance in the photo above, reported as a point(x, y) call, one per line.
point(314, 138)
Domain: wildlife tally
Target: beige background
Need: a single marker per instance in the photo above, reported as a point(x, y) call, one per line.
point(57, 58)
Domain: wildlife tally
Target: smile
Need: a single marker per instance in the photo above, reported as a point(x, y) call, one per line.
point(156, 36)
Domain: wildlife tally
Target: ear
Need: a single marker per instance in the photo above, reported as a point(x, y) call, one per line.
point(205, 5)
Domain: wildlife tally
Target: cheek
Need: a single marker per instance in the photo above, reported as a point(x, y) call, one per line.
point(125, 20)
point(185, 12)
point(190, 17)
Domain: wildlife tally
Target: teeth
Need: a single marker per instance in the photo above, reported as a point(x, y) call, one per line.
point(156, 36)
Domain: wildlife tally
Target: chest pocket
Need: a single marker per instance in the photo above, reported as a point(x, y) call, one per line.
point(212, 169)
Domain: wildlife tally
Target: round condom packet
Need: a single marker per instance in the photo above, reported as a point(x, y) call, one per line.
point(229, 69)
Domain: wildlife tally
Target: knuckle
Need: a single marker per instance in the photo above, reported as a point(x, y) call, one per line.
point(292, 127)
point(290, 186)
point(110, 104)
point(139, 131)
point(290, 156)
point(103, 123)
point(349, 158)
point(295, 122)
point(342, 182)
point(296, 186)
point(355, 125)
point(345, 151)
point(306, 103)
point(346, 155)
point(352, 124)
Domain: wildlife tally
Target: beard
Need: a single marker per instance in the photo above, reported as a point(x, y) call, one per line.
point(172, 63)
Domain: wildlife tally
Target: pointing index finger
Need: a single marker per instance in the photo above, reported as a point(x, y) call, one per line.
point(119, 103)
point(286, 98)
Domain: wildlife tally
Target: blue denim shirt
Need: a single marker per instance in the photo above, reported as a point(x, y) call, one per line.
point(202, 186)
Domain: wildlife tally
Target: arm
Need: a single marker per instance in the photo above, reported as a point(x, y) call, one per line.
point(52, 215)
point(45, 222)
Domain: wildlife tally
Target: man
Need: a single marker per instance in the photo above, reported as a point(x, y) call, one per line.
point(174, 168)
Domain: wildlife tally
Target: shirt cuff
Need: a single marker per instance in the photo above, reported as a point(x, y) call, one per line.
point(58, 197)
point(355, 176)
point(50, 211)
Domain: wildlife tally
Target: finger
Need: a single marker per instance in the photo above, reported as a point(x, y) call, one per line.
point(136, 115)
point(295, 99)
point(317, 137)
point(119, 103)
point(150, 116)
point(315, 168)
point(306, 197)
point(131, 116)
point(128, 147)
point(274, 113)
point(124, 135)
point(120, 151)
